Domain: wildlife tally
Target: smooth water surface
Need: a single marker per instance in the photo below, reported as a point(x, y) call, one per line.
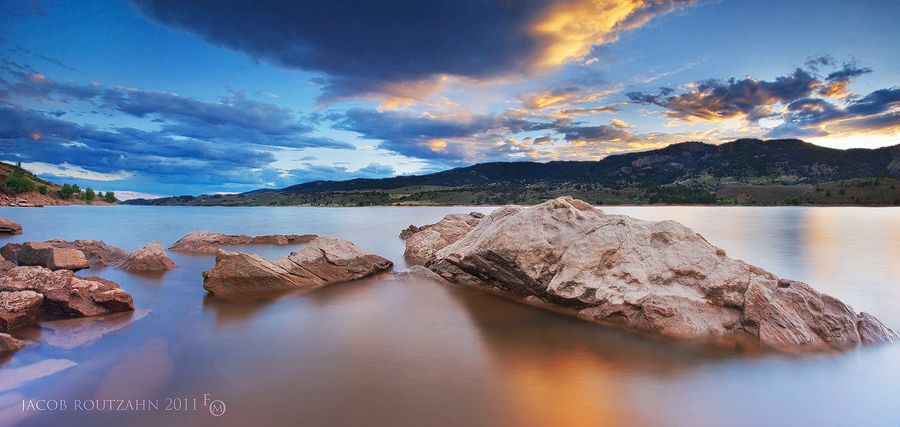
point(388, 352)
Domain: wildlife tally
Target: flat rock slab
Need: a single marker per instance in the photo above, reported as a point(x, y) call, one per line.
point(205, 242)
point(149, 258)
point(66, 293)
point(656, 277)
point(324, 260)
point(44, 254)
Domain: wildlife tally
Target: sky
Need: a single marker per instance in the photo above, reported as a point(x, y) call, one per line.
point(172, 97)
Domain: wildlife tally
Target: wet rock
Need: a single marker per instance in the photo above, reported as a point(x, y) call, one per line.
point(417, 272)
point(205, 242)
point(8, 226)
point(656, 277)
point(323, 261)
point(422, 245)
point(66, 293)
point(148, 259)
point(44, 254)
point(9, 345)
point(18, 308)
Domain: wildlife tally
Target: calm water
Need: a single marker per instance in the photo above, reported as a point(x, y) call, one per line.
point(383, 352)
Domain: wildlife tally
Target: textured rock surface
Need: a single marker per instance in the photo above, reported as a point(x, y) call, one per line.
point(66, 293)
point(9, 345)
point(323, 261)
point(9, 226)
point(658, 277)
point(422, 245)
point(205, 242)
point(98, 253)
point(44, 254)
point(148, 259)
point(18, 308)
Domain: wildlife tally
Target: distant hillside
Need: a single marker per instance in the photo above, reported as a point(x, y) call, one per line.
point(743, 171)
point(693, 164)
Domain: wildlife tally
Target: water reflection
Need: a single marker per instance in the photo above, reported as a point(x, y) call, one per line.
point(389, 352)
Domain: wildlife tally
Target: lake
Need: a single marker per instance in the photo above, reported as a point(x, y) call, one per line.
point(387, 352)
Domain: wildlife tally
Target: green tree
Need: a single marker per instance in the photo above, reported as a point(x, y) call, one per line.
point(88, 195)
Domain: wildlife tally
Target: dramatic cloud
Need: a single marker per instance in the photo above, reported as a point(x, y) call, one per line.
point(366, 47)
point(715, 100)
point(807, 103)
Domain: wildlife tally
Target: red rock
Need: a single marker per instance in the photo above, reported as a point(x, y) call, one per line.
point(44, 254)
point(96, 252)
point(18, 308)
point(66, 293)
point(9, 226)
point(147, 259)
point(205, 242)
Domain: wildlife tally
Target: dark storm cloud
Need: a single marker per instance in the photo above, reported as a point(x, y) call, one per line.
point(365, 46)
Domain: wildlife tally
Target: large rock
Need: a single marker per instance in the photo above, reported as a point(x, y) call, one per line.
point(205, 242)
point(149, 258)
point(98, 253)
point(323, 261)
point(427, 240)
point(657, 277)
point(66, 293)
point(18, 308)
point(9, 226)
point(44, 254)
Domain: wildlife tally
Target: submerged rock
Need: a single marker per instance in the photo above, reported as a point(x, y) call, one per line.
point(44, 254)
point(66, 293)
point(149, 258)
point(657, 277)
point(18, 308)
point(205, 242)
point(9, 226)
point(9, 345)
point(323, 261)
